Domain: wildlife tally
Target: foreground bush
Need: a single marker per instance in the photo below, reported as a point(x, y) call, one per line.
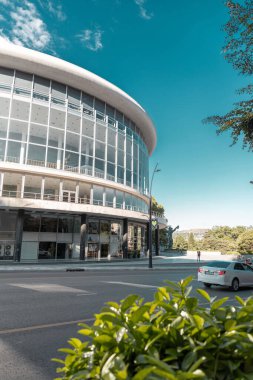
point(171, 337)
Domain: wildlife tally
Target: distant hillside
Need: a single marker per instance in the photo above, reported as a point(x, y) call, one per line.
point(198, 233)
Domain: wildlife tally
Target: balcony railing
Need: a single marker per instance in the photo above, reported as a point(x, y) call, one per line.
point(64, 198)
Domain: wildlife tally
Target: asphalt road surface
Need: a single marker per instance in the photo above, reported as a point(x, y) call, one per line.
point(40, 311)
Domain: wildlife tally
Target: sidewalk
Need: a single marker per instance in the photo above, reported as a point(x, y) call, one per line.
point(166, 261)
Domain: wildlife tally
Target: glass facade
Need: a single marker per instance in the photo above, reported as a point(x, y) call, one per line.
point(45, 123)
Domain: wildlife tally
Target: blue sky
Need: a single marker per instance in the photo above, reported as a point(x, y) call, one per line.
point(166, 55)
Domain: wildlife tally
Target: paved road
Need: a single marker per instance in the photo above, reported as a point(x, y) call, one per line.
point(40, 311)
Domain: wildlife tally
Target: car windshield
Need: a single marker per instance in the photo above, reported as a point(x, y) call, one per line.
point(218, 264)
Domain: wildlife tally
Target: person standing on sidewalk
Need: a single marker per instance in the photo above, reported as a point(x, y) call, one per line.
point(198, 255)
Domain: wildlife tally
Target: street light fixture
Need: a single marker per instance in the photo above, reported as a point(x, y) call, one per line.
point(150, 263)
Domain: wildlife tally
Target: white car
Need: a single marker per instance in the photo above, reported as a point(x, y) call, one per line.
point(226, 273)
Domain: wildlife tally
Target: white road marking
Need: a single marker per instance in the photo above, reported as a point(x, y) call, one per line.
point(46, 326)
point(50, 288)
point(130, 284)
point(85, 294)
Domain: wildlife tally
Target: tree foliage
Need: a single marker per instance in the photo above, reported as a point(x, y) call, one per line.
point(191, 242)
point(171, 337)
point(222, 238)
point(179, 242)
point(245, 242)
point(238, 51)
point(156, 207)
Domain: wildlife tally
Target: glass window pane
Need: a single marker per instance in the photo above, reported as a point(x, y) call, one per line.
point(6, 78)
point(109, 193)
point(4, 107)
point(86, 164)
point(23, 83)
point(52, 156)
point(56, 137)
point(3, 127)
point(87, 146)
point(119, 199)
point(38, 134)
point(98, 194)
point(19, 127)
point(36, 152)
point(72, 142)
point(120, 158)
point(74, 123)
point(87, 100)
point(100, 150)
point(39, 114)
point(65, 225)
point(99, 166)
point(99, 105)
point(2, 149)
point(71, 159)
point(110, 171)
point(100, 132)
point(31, 223)
point(13, 150)
point(74, 96)
point(41, 85)
point(48, 224)
point(20, 110)
point(57, 118)
point(110, 154)
point(111, 136)
point(58, 91)
point(88, 128)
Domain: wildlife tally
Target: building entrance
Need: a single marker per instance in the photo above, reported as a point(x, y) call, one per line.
point(104, 251)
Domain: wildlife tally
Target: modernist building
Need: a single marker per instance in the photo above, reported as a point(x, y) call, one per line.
point(74, 153)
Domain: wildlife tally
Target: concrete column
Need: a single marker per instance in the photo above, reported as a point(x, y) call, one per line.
point(42, 188)
point(59, 152)
point(61, 191)
point(125, 239)
point(22, 149)
point(77, 192)
point(83, 234)
point(22, 186)
point(19, 235)
point(157, 241)
point(1, 183)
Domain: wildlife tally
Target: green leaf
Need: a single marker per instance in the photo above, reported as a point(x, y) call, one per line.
point(240, 300)
point(204, 294)
point(199, 321)
point(216, 304)
point(185, 282)
point(230, 324)
point(128, 302)
point(188, 360)
point(139, 313)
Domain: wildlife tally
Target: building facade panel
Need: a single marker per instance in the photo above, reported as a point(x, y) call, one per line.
point(66, 150)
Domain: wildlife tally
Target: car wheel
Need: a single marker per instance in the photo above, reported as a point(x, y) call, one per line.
point(235, 284)
point(207, 285)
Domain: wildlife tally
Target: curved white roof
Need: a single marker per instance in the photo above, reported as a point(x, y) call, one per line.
point(20, 58)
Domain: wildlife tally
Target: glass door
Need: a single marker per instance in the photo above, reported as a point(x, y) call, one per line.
point(68, 196)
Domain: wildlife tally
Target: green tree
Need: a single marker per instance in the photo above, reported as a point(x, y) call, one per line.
point(191, 242)
point(163, 233)
point(156, 207)
point(238, 51)
point(179, 242)
point(245, 242)
point(222, 238)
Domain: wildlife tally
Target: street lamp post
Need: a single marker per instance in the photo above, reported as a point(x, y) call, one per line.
point(150, 263)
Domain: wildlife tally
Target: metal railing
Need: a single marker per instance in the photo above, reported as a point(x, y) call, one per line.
point(63, 198)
